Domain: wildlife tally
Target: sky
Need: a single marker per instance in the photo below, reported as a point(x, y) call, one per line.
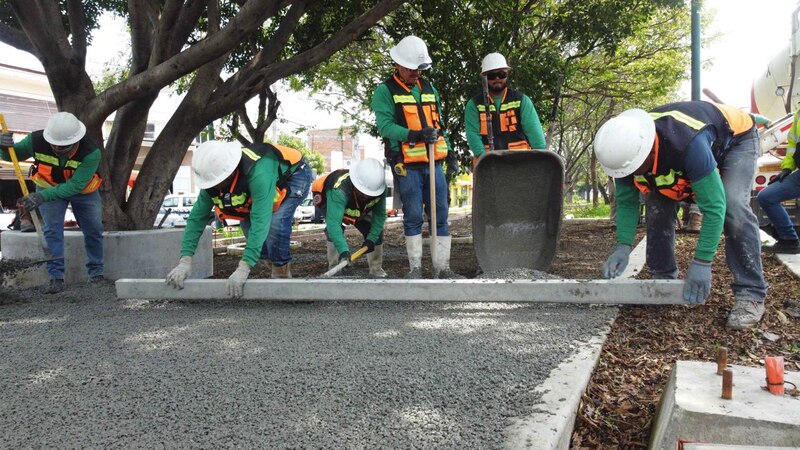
point(749, 37)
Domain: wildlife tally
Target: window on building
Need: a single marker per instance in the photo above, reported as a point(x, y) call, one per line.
point(150, 131)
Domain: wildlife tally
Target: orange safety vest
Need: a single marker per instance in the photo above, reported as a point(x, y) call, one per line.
point(508, 134)
point(236, 202)
point(416, 116)
point(340, 179)
point(47, 168)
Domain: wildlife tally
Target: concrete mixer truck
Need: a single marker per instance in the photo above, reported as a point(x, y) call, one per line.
point(775, 94)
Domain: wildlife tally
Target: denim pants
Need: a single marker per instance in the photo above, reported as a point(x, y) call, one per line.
point(742, 240)
point(770, 201)
point(276, 247)
point(88, 211)
point(415, 191)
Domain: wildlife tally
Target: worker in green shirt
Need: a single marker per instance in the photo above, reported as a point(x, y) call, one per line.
point(261, 186)
point(65, 174)
point(515, 123)
point(357, 197)
point(692, 151)
point(408, 116)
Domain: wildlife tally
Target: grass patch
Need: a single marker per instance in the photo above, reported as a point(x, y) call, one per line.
point(602, 211)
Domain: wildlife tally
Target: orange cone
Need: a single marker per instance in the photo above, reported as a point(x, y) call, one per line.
point(774, 365)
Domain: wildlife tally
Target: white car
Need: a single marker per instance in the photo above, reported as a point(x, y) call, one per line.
point(305, 212)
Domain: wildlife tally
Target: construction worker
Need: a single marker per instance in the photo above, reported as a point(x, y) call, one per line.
point(515, 127)
point(260, 186)
point(694, 151)
point(65, 174)
point(785, 186)
point(407, 112)
point(357, 197)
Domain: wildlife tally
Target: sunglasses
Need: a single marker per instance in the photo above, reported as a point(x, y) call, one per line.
point(496, 75)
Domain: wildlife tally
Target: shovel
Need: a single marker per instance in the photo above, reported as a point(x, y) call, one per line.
point(344, 264)
point(37, 222)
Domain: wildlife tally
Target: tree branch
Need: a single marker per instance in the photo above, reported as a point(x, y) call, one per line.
point(17, 39)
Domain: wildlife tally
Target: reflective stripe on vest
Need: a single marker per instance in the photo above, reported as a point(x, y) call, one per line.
point(47, 169)
point(508, 133)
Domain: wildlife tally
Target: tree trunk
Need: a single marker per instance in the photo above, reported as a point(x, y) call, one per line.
point(593, 174)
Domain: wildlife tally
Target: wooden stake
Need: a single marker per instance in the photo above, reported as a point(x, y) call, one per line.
point(727, 384)
point(722, 359)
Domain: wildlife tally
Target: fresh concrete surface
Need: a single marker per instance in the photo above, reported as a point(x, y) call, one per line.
point(619, 291)
point(126, 254)
point(792, 262)
point(692, 409)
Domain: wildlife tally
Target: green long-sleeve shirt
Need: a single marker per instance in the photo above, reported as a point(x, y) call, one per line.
point(83, 174)
point(529, 120)
point(336, 202)
point(710, 197)
point(384, 109)
point(261, 186)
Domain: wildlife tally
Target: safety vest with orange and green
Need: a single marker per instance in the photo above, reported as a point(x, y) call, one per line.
point(48, 170)
point(415, 116)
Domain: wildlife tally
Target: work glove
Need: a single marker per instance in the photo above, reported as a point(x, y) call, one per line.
point(237, 279)
point(415, 136)
point(6, 140)
point(617, 262)
point(345, 256)
point(180, 272)
point(369, 244)
point(31, 201)
point(779, 178)
point(430, 135)
point(698, 282)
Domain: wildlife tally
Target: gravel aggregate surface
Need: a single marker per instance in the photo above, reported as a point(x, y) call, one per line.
point(84, 370)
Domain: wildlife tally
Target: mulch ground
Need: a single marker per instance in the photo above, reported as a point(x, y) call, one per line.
point(619, 404)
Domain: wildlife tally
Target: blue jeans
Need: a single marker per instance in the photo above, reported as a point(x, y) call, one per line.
point(276, 247)
point(88, 211)
point(770, 201)
point(742, 240)
point(415, 191)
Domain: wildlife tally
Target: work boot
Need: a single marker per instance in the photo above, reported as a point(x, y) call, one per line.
point(414, 250)
point(441, 268)
point(375, 262)
point(56, 286)
point(95, 279)
point(695, 222)
point(745, 314)
point(333, 256)
point(283, 271)
point(786, 246)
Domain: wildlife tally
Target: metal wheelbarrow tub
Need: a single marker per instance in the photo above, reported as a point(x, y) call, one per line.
point(516, 209)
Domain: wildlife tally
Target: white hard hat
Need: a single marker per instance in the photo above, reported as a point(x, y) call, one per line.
point(493, 61)
point(411, 53)
point(64, 129)
point(623, 143)
point(368, 177)
point(214, 161)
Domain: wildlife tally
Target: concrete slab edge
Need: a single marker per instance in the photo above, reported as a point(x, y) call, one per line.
point(552, 429)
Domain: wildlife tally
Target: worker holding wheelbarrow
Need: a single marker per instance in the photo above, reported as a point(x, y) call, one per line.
point(65, 173)
point(407, 112)
point(357, 197)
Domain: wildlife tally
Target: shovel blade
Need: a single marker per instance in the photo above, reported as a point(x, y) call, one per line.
point(516, 210)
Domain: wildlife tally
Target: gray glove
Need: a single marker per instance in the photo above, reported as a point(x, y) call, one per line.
point(698, 282)
point(617, 262)
point(180, 272)
point(6, 139)
point(31, 201)
point(237, 279)
point(430, 135)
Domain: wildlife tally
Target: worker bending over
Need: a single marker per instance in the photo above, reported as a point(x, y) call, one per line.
point(261, 186)
point(356, 197)
point(693, 151)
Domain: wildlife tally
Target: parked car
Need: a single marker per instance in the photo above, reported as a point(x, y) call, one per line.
point(305, 212)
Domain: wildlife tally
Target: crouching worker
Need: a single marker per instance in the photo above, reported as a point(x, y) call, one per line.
point(356, 197)
point(65, 173)
point(260, 186)
point(697, 152)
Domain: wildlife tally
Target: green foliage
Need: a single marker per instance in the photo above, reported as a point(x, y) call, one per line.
point(313, 157)
point(602, 211)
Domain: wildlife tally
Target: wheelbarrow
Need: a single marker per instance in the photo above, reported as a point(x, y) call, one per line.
point(516, 209)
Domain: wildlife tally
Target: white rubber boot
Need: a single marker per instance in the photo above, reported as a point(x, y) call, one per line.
point(375, 261)
point(333, 256)
point(442, 268)
point(414, 250)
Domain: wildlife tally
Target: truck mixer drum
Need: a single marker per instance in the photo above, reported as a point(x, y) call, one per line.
point(516, 209)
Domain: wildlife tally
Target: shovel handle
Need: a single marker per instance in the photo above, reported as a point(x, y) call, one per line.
point(37, 223)
point(343, 264)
